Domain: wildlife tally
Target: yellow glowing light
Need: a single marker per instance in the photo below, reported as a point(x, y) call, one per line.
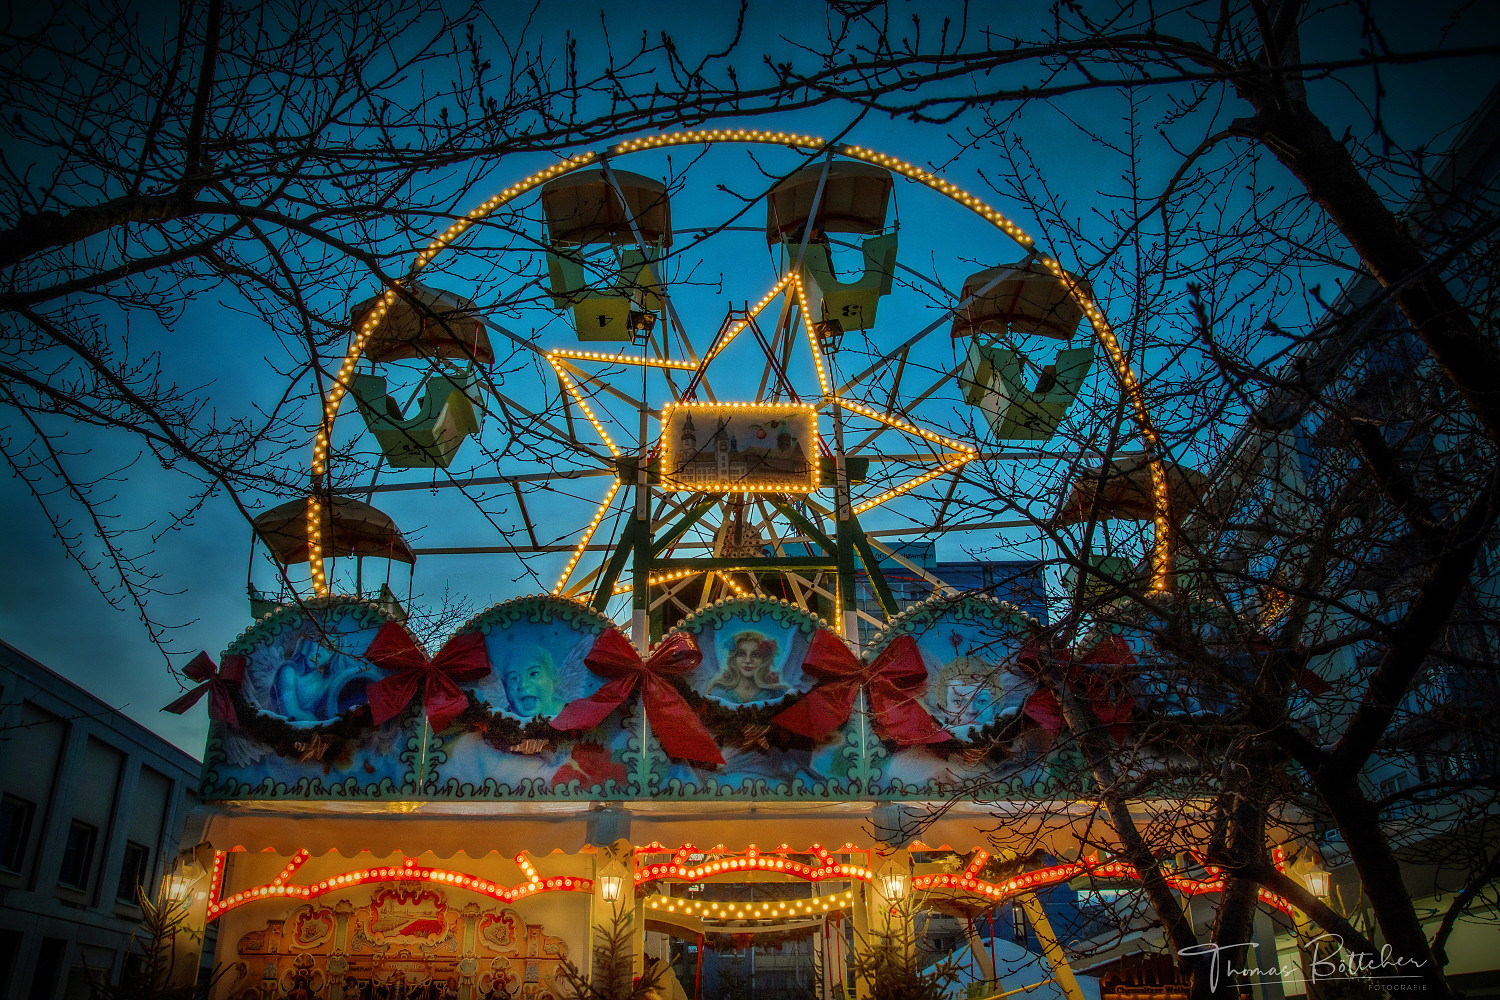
point(807, 323)
point(587, 534)
point(572, 390)
point(732, 912)
point(621, 359)
point(734, 331)
point(1102, 331)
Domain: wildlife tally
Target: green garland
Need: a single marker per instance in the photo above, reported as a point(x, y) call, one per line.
point(503, 732)
point(724, 940)
point(743, 725)
point(329, 743)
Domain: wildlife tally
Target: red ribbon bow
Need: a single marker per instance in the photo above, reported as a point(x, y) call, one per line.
point(895, 681)
point(213, 680)
point(462, 659)
point(1111, 704)
point(676, 725)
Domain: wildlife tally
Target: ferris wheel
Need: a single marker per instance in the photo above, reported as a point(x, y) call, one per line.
point(714, 364)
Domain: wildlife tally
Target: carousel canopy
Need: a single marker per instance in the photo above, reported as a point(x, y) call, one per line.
point(426, 322)
point(476, 829)
point(583, 207)
point(854, 199)
point(350, 528)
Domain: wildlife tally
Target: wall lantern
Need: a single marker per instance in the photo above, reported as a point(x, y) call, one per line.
point(893, 885)
point(610, 886)
point(1316, 881)
point(177, 885)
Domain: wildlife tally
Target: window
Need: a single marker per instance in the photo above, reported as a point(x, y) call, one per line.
point(78, 855)
point(16, 815)
point(49, 961)
point(10, 950)
point(133, 871)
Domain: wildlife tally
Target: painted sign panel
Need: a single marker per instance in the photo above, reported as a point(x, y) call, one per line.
point(394, 943)
point(740, 447)
point(753, 651)
point(543, 699)
point(505, 746)
point(969, 648)
point(301, 725)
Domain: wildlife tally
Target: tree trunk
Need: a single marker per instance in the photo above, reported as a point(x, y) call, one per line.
point(1176, 926)
point(1302, 142)
point(1380, 874)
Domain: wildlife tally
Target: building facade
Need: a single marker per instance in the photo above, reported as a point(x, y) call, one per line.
point(92, 810)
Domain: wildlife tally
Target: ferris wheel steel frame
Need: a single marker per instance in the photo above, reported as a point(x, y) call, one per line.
point(638, 542)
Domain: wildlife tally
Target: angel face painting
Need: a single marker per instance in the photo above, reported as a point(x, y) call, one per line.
point(749, 673)
point(531, 684)
point(536, 669)
point(965, 692)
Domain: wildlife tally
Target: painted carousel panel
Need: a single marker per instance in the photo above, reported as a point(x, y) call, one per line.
point(301, 725)
point(505, 746)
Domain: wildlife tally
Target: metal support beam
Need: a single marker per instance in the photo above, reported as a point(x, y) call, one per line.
point(805, 524)
point(640, 565)
point(754, 564)
point(848, 616)
point(604, 589)
point(872, 569)
point(676, 531)
point(1062, 972)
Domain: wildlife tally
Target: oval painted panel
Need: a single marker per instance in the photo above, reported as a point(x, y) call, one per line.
point(504, 746)
point(968, 645)
point(309, 668)
point(752, 650)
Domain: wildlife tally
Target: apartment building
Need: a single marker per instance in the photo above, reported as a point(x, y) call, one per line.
point(92, 809)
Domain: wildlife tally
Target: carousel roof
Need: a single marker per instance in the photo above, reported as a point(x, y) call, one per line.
point(445, 829)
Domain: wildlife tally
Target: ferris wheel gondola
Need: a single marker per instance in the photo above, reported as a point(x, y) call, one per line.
point(882, 438)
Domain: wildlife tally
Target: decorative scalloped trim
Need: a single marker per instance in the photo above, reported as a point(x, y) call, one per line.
point(719, 611)
point(930, 610)
point(288, 612)
point(585, 611)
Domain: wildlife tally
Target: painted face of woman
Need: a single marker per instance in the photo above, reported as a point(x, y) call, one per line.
point(742, 660)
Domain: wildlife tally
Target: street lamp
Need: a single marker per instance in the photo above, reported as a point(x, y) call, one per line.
point(610, 886)
point(893, 885)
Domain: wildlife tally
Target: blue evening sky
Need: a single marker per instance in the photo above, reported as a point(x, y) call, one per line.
point(49, 609)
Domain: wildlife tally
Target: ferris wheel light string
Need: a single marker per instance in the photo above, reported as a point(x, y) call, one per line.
point(665, 578)
point(735, 330)
point(624, 359)
point(807, 323)
point(572, 390)
point(1102, 330)
point(588, 534)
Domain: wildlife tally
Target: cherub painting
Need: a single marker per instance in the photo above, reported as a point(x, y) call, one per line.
point(536, 670)
point(299, 677)
point(965, 692)
point(531, 685)
point(749, 674)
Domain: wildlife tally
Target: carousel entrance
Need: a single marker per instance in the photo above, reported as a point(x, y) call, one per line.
point(768, 936)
